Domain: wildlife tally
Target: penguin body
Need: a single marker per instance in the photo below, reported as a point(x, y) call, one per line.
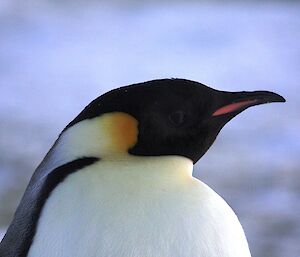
point(155, 220)
point(135, 206)
point(118, 181)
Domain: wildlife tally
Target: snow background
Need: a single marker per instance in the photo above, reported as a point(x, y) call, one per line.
point(56, 56)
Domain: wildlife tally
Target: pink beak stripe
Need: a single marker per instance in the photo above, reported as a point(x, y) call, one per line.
point(233, 107)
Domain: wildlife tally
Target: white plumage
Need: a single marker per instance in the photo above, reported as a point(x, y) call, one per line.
point(132, 206)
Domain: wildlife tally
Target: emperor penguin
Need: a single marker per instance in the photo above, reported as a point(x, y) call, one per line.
point(118, 180)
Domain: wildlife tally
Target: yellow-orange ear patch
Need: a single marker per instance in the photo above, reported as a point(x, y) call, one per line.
point(122, 130)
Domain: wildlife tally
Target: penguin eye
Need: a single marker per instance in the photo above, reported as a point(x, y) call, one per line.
point(177, 118)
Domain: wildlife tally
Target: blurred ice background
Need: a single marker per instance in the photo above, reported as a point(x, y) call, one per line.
point(56, 56)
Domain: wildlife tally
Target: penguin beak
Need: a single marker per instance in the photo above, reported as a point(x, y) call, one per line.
point(236, 102)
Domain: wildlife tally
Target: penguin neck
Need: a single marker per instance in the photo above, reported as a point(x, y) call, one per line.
point(89, 138)
point(156, 166)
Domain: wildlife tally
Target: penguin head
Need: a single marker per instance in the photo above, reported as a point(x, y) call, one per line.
point(165, 117)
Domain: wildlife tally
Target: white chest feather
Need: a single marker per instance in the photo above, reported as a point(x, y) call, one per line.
point(135, 208)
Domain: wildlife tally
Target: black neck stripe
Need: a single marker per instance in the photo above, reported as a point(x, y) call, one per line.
point(20, 234)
